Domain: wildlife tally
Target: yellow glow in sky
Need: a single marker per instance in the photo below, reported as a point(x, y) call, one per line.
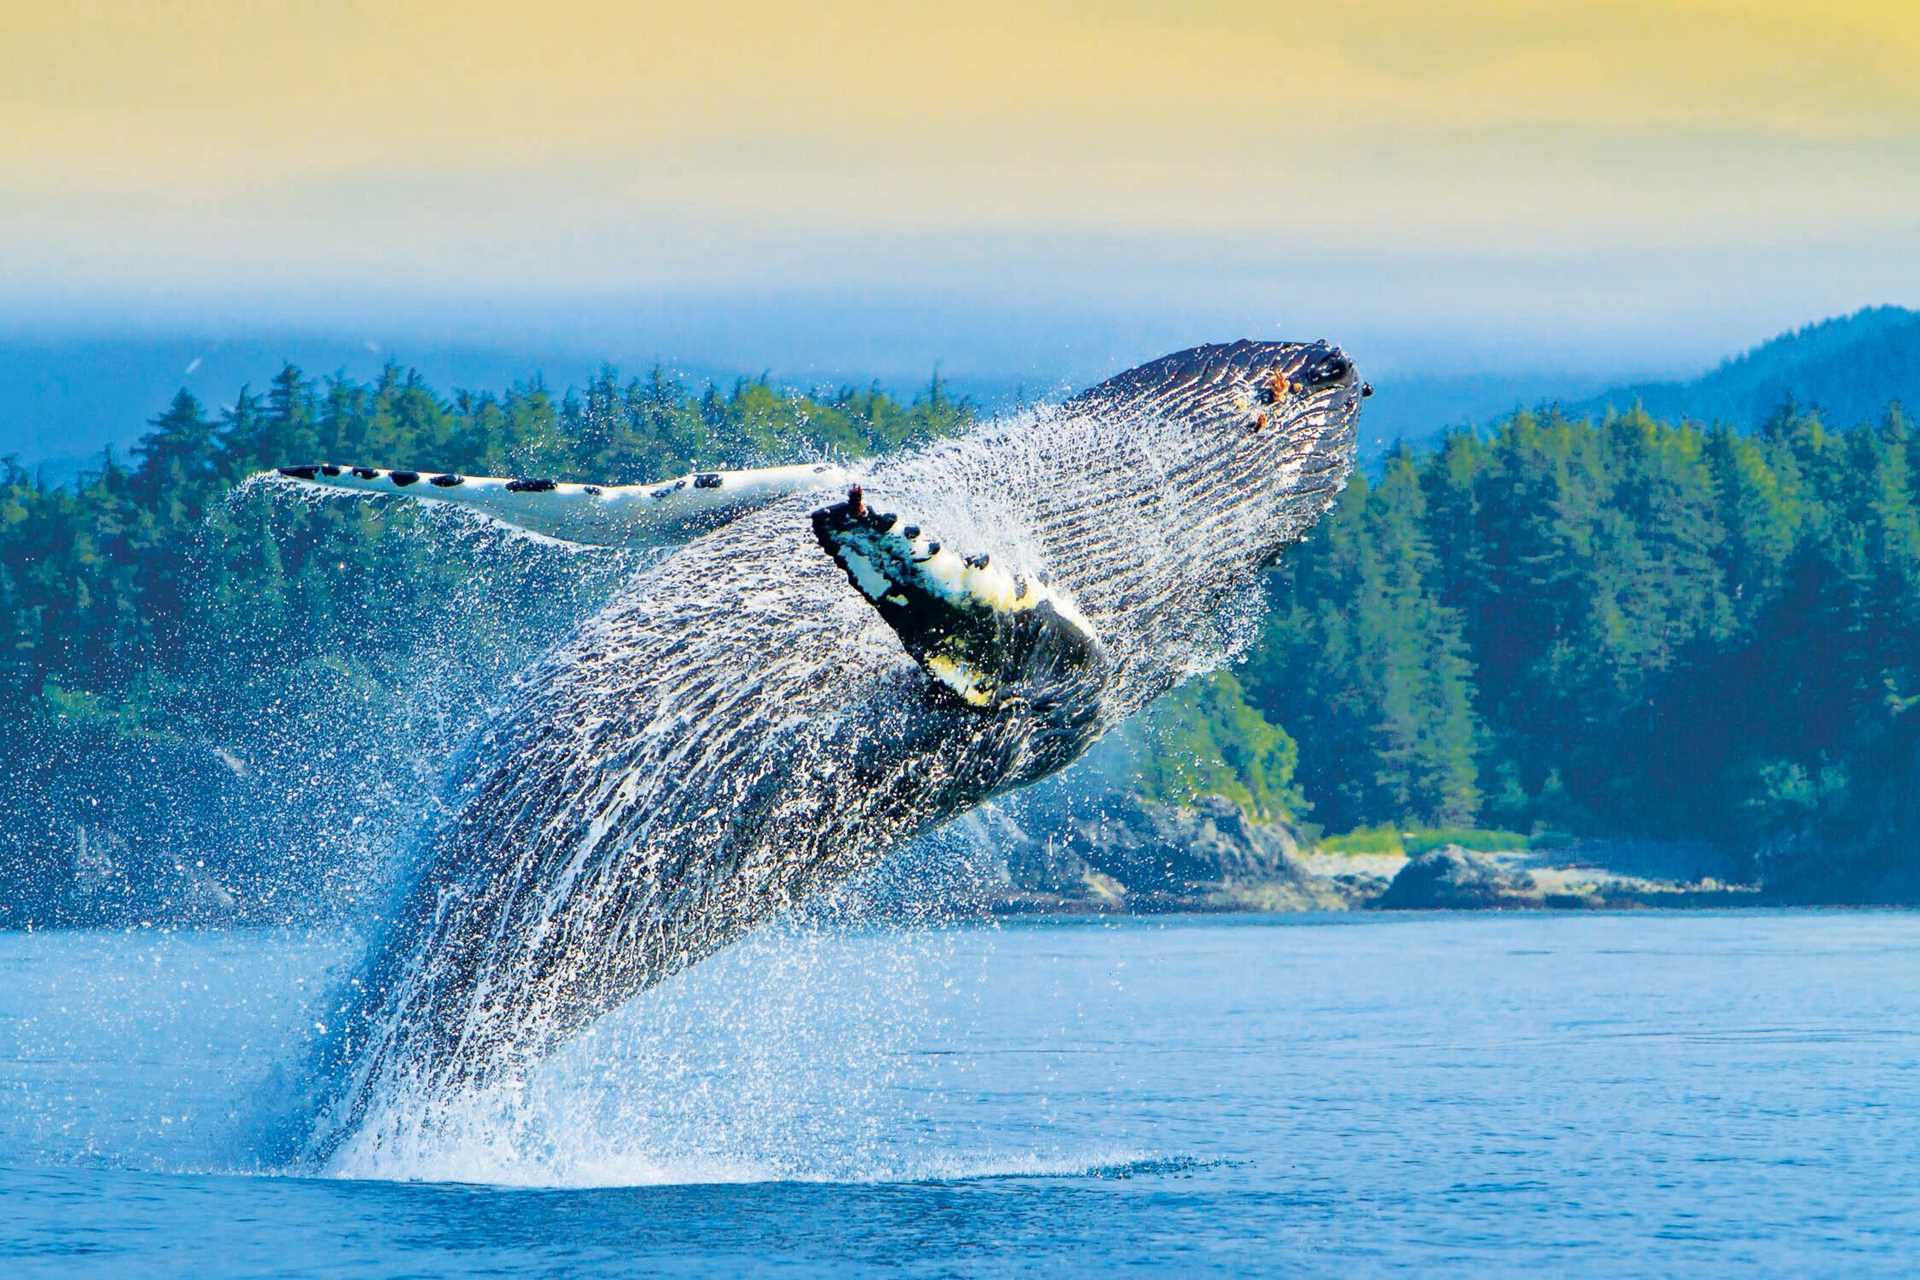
point(295, 85)
point(721, 143)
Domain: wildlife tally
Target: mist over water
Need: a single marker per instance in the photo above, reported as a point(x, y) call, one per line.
point(333, 712)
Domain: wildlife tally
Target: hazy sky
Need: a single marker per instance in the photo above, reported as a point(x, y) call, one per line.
point(1623, 185)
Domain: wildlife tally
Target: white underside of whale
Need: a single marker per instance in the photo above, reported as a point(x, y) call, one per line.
point(661, 513)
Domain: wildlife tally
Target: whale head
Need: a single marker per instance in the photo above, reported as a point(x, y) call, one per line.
point(1246, 423)
point(1152, 502)
point(1217, 458)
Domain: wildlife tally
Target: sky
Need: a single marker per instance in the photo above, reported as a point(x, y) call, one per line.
point(1627, 186)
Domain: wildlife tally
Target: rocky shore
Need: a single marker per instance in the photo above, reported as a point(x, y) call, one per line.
point(1135, 857)
point(191, 834)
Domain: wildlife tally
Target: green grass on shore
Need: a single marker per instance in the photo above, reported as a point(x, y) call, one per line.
point(1412, 843)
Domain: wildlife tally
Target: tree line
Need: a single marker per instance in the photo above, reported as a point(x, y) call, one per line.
point(106, 585)
point(1618, 626)
point(1621, 627)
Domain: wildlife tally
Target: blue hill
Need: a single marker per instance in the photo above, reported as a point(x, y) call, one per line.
point(67, 398)
point(1849, 368)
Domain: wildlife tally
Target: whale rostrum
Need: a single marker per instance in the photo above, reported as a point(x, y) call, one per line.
point(825, 662)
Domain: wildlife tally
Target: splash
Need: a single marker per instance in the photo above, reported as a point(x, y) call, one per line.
point(830, 1050)
point(772, 1063)
point(821, 1052)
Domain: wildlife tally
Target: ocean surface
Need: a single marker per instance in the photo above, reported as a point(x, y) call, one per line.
point(1633, 1094)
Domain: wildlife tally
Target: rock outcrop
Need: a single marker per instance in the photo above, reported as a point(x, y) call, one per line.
point(1130, 855)
point(1452, 878)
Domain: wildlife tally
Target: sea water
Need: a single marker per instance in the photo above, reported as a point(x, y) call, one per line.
point(1634, 1094)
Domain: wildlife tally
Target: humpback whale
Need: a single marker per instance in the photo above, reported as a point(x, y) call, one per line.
point(821, 663)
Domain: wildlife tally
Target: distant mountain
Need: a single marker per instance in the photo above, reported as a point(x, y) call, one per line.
point(1849, 368)
point(63, 400)
point(1415, 406)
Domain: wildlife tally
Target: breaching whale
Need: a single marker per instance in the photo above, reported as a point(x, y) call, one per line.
point(823, 663)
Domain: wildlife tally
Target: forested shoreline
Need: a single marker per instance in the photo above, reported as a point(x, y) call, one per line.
point(1616, 627)
point(1621, 627)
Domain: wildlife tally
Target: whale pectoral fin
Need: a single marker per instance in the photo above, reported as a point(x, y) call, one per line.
point(633, 515)
point(991, 635)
